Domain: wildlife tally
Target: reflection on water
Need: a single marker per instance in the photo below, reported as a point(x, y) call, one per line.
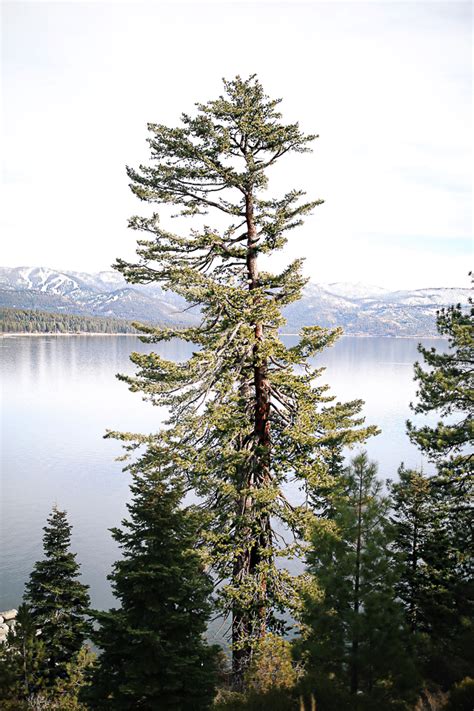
point(59, 395)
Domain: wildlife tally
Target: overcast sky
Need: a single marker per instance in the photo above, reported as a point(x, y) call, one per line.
point(386, 85)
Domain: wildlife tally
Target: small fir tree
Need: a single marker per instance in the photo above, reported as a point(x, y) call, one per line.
point(59, 602)
point(22, 659)
point(64, 696)
point(272, 666)
point(354, 631)
point(153, 652)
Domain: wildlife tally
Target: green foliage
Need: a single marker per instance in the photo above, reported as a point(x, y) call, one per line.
point(29, 321)
point(413, 519)
point(22, 658)
point(58, 600)
point(247, 413)
point(448, 389)
point(450, 599)
point(271, 680)
point(461, 697)
point(433, 541)
point(354, 640)
point(446, 563)
point(272, 666)
point(277, 699)
point(153, 651)
point(64, 694)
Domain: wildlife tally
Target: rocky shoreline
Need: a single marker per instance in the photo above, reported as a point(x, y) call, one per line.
point(7, 623)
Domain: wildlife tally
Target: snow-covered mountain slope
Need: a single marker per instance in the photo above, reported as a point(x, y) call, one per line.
point(354, 291)
point(427, 297)
point(43, 279)
point(359, 309)
point(101, 281)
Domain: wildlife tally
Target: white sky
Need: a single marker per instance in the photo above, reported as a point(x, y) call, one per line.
point(387, 85)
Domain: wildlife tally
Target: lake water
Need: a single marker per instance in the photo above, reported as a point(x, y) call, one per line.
point(59, 395)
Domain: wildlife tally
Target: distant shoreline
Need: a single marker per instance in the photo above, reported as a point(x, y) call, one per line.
point(66, 335)
point(136, 335)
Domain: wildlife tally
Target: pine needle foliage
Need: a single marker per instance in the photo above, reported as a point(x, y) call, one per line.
point(154, 655)
point(354, 633)
point(433, 542)
point(247, 412)
point(58, 601)
point(414, 519)
point(447, 388)
point(22, 658)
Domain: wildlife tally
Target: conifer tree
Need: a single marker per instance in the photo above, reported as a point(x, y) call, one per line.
point(449, 605)
point(354, 630)
point(246, 411)
point(58, 601)
point(413, 518)
point(153, 652)
point(22, 658)
point(447, 388)
point(436, 583)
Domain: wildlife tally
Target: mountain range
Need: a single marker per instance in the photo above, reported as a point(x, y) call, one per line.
point(360, 309)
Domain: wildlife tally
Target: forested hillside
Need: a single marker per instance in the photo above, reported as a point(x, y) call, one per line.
point(27, 321)
point(360, 310)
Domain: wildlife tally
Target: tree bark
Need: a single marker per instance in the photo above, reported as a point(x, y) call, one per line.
point(253, 623)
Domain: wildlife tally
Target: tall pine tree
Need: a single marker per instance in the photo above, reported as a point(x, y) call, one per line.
point(447, 388)
point(354, 630)
point(247, 413)
point(58, 601)
point(153, 652)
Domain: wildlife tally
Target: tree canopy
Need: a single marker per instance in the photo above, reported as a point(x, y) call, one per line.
point(354, 634)
point(58, 601)
point(153, 651)
point(247, 412)
point(447, 388)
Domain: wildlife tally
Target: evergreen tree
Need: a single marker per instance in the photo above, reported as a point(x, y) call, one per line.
point(354, 631)
point(413, 520)
point(272, 666)
point(64, 695)
point(246, 412)
point(435, 584)
point(450, 604)
point(154, 655)
point(21, 662)
point(448, 389)
point(58, 600)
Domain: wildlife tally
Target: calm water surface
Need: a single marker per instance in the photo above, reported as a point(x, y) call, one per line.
point(59, 395)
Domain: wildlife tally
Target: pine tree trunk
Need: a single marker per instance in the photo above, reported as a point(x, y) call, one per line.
point(252, 623)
